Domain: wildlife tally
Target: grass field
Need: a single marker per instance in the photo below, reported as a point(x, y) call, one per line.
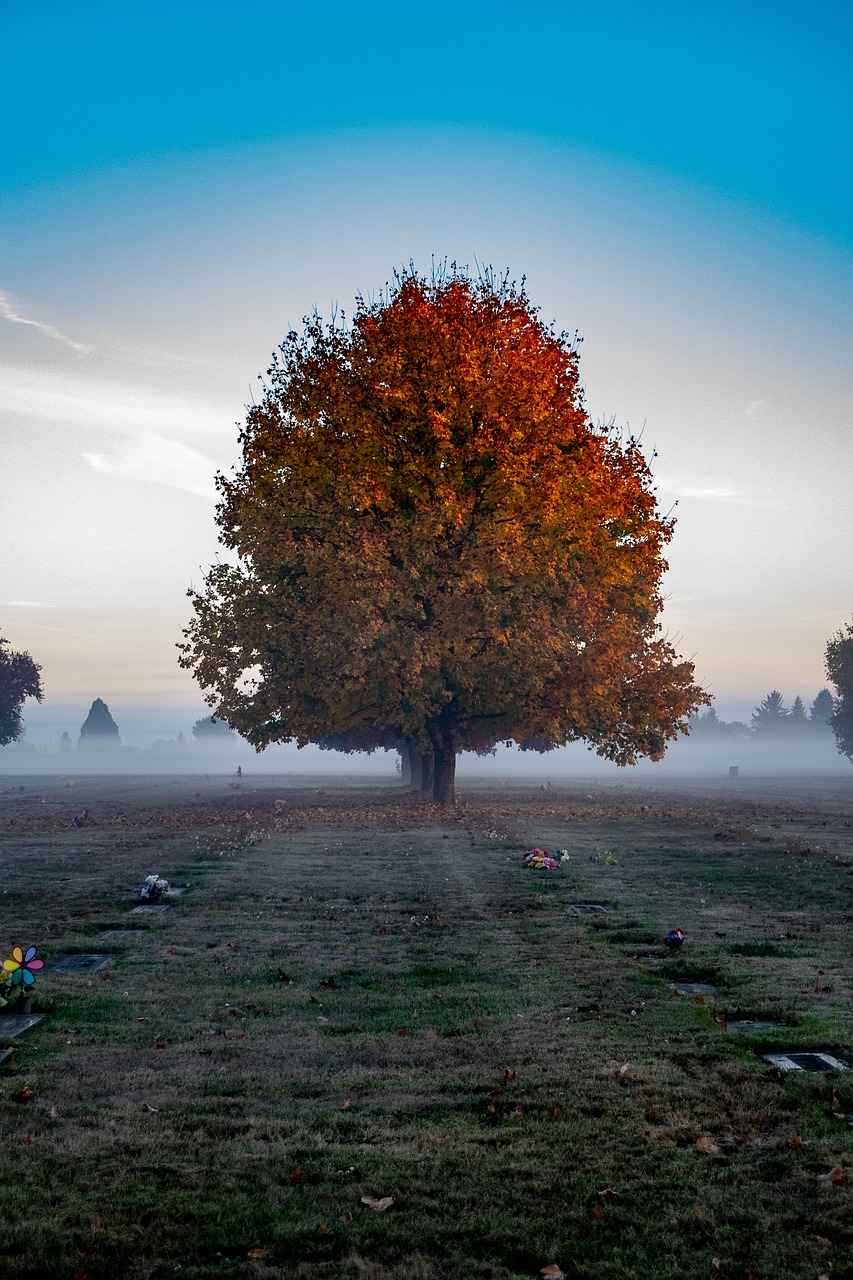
point(361, 996)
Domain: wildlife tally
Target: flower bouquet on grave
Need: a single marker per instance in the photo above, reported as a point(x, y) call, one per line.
point(18, 978)
point(541, 860)
point(152, 889)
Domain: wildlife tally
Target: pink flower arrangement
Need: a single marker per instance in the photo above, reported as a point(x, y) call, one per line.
point(540, 860)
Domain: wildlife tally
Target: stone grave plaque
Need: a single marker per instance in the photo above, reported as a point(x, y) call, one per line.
point(649, 962)
point(589, 908)
point(150, 909)
point(753, 1024)
point(69, 963)
point(693, 988)
point(13, 1025)
point(175, 891)
point(123, 933)
point(811, 1060)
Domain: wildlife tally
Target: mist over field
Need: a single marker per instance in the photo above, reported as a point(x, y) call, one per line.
point(151, 744)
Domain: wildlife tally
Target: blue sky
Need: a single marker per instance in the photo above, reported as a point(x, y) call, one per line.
point(185, 181)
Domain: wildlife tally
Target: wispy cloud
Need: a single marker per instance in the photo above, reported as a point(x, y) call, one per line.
point(154, 459)
point(9, 312)
point(715, 495)
point(100, 404)
point(710, 492)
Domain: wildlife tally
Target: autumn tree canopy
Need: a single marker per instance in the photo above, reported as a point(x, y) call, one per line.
point(839, 668)
point(433, 540)
point(19, 679)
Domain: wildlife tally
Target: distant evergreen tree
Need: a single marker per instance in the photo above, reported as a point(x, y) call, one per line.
point(798, 721)
point(770, 716)
point(65, 743)
point(820, 712)
point(707, 722)
point(213, 730)
point(99, 731)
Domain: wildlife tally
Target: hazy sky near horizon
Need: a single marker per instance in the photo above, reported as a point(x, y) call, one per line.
point(183, 182)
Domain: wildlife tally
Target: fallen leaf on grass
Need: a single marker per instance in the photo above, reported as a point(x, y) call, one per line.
point(707, 1146)
point(715, 1263)
point(54, 1114)
point(553, 1272)
point(23, 1095)
point(31, 1137)
point(260, 1254)
point(346, 1216)
point(160, 1044)
point(345, 1104)
point(154, 1110)
point(835, 1178)
point(479, 1024)
point(595, 1214)
point(108, 976)
point(378, 1206)
point(296, 1176)
point(607, 1194)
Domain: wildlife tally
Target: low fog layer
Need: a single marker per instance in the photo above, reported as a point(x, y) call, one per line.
point(161, 741)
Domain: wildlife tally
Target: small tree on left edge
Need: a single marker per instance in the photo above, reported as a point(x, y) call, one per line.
point(19, 680)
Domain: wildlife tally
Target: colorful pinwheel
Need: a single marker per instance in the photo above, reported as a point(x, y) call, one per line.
point(19, 970)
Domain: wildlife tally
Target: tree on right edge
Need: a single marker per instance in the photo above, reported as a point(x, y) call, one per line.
point(839, 668)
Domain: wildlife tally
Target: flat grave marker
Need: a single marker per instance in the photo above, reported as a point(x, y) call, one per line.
point(805, 1060)
point(693, 988)
point(13, 1025)
point(138, 932)
point(753, 1024)
point(68, 962)
point(589, 908)
point(147, 909)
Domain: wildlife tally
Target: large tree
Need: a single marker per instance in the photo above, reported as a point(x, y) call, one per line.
point(433, 539)
point(839, 668)
point(19, 679)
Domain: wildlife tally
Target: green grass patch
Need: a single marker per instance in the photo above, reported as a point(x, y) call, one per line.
point(365, 999)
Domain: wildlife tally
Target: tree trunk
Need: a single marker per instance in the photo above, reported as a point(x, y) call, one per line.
point(443, 791)
point(406, 771)
point(427, 772)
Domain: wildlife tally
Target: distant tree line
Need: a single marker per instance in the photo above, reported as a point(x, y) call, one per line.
point(773, 720)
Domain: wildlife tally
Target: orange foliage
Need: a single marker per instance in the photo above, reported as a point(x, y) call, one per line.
point(434, 538)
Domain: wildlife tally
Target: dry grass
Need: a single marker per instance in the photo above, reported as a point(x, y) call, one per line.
point(363, 996)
